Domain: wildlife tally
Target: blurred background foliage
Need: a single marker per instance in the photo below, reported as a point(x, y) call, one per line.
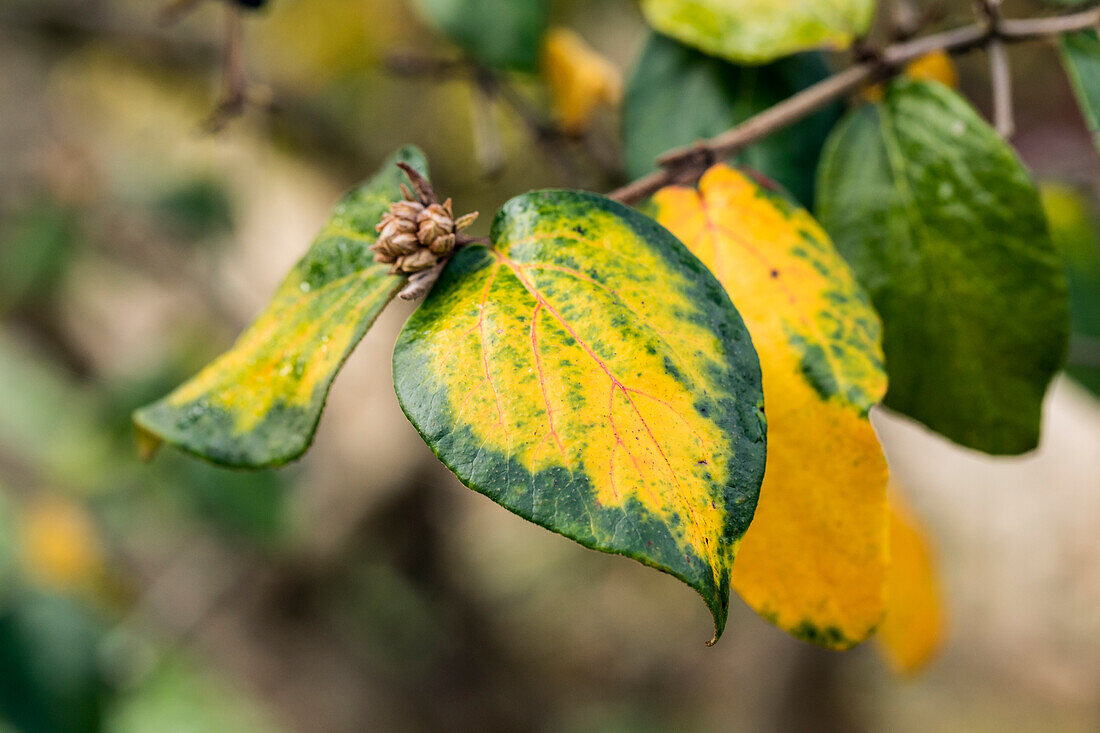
point(363, 588)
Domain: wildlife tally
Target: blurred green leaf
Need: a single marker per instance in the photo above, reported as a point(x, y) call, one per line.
point(7, 546)
point(180, 697)
point(759, 31)
point(1081, 57)
point(945, 229)
point(35, 246)
point(51, 679)
point(48, 421)
point(678, 95)
point(195, 210)
point(505, 34)
point(1074, 224)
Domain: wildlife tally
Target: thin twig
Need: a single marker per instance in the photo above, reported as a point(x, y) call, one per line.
point(684, 165)
point(1000, 77)
point(1000, 73)
point(234, 83)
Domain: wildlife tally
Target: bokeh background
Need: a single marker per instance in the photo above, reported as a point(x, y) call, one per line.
point(363, 588)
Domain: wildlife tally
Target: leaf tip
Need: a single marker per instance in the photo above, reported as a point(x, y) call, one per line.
point(146, 442)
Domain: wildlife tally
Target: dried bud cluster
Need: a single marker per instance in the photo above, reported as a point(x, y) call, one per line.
point(414, 235)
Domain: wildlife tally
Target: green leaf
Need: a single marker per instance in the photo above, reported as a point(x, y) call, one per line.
point(37, 244)
point(52, 678)
point(945, 230)
point(588, 373)
point(258, 404)
point(1074, 226)
point(677, 96)
point(1081, 57)
point(758, 31)
point(503, 34)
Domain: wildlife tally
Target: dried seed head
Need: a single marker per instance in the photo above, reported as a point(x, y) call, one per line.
point(418, 232)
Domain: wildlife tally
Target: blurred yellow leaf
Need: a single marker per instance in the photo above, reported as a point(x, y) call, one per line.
point(579, 78)
point(814, 558)
point(912, 631)
point(59, 544)
point(935, 66)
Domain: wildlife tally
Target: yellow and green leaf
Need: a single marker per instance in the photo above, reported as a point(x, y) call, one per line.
point(259, 403)
point(759, 31)
point(588, 373)
point(814, 559)
point(912, 631)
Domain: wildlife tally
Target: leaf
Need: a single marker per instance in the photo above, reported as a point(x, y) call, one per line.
point(758, 31)
point(579, 79)
point(677, 96)
point(944, 228)
point(589, 374)
point(1080, 53)
point(912, 631)
point(38, 243)
point(814, 560)
point(258, 404)
point(499, 33)
point(54, 676)
point(1074, 226)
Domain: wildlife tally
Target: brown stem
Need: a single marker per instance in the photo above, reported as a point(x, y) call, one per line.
point(682, 165)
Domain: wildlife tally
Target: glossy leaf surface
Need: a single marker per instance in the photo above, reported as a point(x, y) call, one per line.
point(677, 96)
point(913, 629)
point(945, 230)
point(258, 404)
point(758, 31)
point(589, 374)
point(1081, 58)
point(814, 559)
point(504, 34)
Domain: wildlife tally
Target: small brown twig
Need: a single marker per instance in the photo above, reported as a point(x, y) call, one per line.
point(234, 83)
point(682, 165)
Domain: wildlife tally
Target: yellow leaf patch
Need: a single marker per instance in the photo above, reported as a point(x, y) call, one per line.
point(814, 559)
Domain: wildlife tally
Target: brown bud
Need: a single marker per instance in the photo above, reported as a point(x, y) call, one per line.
point(391, 226)
point(382, 253)
point(406, 209)
point(429, 231)
point(464, 221)
point(422, 259)
point(404, 243)
point(442, 245)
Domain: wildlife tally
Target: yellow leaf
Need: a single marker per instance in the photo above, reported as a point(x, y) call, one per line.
point(935, 66)
point(580, 80)
point(60, 546)
point(912, 631)
point(587, 372)
point(258, 404)
point(814, 558)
